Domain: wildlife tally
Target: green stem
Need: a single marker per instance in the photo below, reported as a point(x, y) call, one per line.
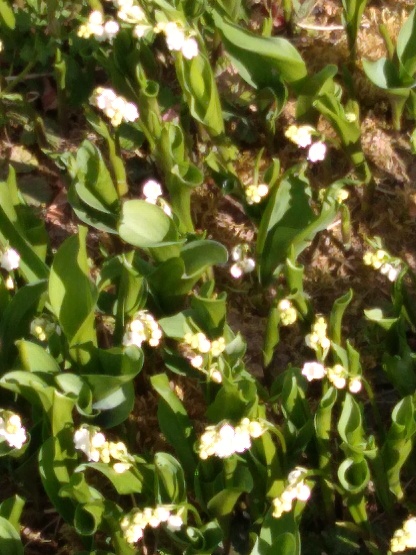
point(345, 225)
point(287, 11)
point(60, 78)
point(382, 28)
point(180, 199)
point(397, 106)
point(323, 426)
point(230, 465)
point(117, 165)
point(20, 77)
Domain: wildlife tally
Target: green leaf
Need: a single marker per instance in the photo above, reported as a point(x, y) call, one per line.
point(170, 480)
point(93, 182)
point(116, 407)
point(128, 482)
point(376, 315)
point(11, 509)
point(198, 84)
point(350, 426)
point(7, 16)
point(406, 47)
point(198, 255)
point(57, 461)
point(175, 423)
point(384, 74)
point(145, 225)
point(35, 358)
point(354, 475)
point(73, 295)
point(16, 230)
point(287, 214)
point(337, 313)
point(261, 61)
point(16, 318)
point(9, 539)
point(398, 444)
point(278, 536)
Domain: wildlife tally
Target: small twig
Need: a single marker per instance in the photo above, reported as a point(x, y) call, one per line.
point(312, 27)
point(334, 224)
point(30, 76)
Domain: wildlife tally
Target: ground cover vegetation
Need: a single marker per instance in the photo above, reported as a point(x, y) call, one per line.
point(207, 287)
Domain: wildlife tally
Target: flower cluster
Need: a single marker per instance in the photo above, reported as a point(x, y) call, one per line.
point(152, 191)
point(243, 264)
point(202, 345)
point(382, 261)
point(337, 375)
point(256, 193)
point(405, 537)
point(116, 108)
point(97, 27)
point(178, 40)
point(94, 444)
point(129, 12)
point(143, 327)
point(302, 136)
point(11, 429)
point(287, 312)
point(296, 489)
point(318, 338)
point(10, 260)
point(223, 440)
point(134, 523)
point(43, 327)
point(200, 350)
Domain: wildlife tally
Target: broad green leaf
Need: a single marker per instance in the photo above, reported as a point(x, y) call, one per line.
point(57, 461)
point(261, 61)
point(145, 225)
point(94, 183)
point(354, 475)
point(223, 503)
point(175, 423)
point(10, 543)
point(350, 427)
point(376, 315)
point(7, 18)
point(311, 87)
point(104, 221)
point(272, 335)
point(278, 536)
point(170, 479)
point(337, 313)
point(88, 517)
point(175, 326)
point(209, 311)
point(332, 109)
point(73, 295)
point(11, 509)
point(398, 443)
point(384, 74)
point(116, 407)
point(17, 316)
point(287, 214)
point(16, 230)
point(406, 47)
point(197, 255)
point(168, 282)
point(353, 11)
point(198, 84)
point(125, 483)
point(35, 358)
